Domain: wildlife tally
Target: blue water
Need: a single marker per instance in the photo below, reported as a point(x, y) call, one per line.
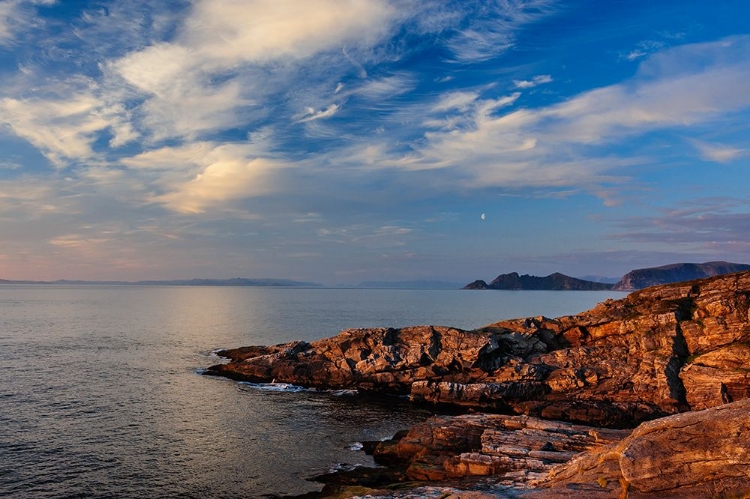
point(100, 396)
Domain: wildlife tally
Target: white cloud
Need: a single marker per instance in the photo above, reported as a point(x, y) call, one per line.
point(61, 129)
point(635, 55)
point(644, 48)
point(16, 15)
point(7, 10)
point(260, 31)
point(718, 152)
point(568, 144)
point(217, 68)
point(213, 174)
point(170, 158)
point(312, 114)
point(535, 81)
point(221, 181)
point(385, 87)
point(455, 100)
point(492, 31)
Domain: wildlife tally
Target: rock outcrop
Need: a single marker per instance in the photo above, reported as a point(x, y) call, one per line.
point(699, 455)
point(454, 447)
point(693, 455)
point(676, 272)
point(658, 351)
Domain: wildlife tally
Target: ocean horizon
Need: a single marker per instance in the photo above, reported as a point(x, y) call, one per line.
point(103, 395)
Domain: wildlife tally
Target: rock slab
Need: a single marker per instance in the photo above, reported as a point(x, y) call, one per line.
point(693, 455)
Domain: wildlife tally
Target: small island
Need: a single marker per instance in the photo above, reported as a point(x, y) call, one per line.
point(552, 282)
point(646, 396)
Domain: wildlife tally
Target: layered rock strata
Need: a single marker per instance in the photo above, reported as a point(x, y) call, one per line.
point(693, 455)
point(698, 455)
point(658, 351)
point(452, 447)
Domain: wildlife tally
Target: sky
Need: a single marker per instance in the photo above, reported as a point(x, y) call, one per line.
point(339, 141)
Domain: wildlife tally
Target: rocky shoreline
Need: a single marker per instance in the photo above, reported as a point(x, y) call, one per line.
point(558, 398)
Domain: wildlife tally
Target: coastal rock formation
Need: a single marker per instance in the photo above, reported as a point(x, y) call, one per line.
point(698, 454)
point(676, 272)
point(658, 351)
point(451, 447)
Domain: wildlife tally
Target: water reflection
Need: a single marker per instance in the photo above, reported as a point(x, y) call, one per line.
point(100, 396)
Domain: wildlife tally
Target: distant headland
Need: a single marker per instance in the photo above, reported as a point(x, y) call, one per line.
point(635, 279)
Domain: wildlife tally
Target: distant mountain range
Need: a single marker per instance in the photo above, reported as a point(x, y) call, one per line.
point(635, 279)
point(422, 284)
point(236, 281)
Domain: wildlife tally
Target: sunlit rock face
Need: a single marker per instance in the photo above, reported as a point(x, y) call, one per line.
point(693, 455)
point(659, 351)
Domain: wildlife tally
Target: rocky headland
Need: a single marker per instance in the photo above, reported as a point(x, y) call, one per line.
point(558, 397)
point(553, 282)
point(676, 272)
point(635, 279)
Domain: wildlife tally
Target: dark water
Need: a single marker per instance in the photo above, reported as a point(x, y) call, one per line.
point(100, 396)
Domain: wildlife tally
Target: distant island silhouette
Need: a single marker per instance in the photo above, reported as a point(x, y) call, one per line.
point(235, 281)
point(635, 279)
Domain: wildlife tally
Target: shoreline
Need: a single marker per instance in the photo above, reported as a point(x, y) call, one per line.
point(660, 353)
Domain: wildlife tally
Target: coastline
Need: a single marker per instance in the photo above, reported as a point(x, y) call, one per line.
point(656, 354)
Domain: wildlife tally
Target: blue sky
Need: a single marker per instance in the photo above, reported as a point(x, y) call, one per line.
point(348, 140)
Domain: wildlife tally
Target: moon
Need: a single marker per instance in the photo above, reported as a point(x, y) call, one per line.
point(483, 216)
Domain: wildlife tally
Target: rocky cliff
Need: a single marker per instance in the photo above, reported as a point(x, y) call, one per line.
point(643, 278)
point(659, 351)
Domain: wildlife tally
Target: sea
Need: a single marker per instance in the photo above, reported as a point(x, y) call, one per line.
point(101, 392)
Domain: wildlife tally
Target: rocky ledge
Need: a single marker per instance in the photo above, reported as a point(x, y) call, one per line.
point(660, 351)
point(700, 454)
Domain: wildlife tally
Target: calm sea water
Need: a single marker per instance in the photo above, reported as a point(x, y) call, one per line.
point(100, 394)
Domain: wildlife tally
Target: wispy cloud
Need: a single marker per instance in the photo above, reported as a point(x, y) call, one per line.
point(63, 130)
point(713, 228)
point(718, 152)
point(17, 15)
point(534, 82)
point(312, 115)
point(566, 143)
point(280, 128)
point(493, 31)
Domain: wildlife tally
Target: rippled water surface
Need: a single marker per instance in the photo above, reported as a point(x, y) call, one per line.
point(100, 396)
